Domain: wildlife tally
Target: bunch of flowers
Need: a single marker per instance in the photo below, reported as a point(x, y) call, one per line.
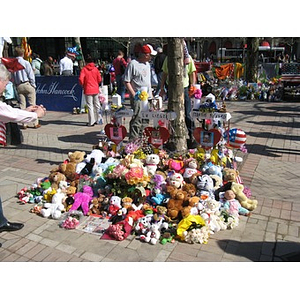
point(195, 93)
point(141, 95)
point(70, 223)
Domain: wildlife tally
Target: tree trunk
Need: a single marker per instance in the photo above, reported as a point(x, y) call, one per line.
point(252, 59)
point(178, 139)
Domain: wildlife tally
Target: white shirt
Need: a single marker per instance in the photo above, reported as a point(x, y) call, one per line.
point(15, 115)
point(65, 64)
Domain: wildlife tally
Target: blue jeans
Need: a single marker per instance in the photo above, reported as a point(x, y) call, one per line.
point(187, 110)
point(120, 87)
point(3, 220)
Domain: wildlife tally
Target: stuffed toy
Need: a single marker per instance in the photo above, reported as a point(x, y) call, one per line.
point(190, 189)
point(55, 178)
point(152, 235)
point(158, 199)
point(114, 205)
point(230, 175)
point(190, 170)
point(55, 208)
point(83, 199)
point(239, 194)
point(68, 168)
point(151, 162)
point(233, 206)
point(245, 202)
point(217, 181)
point(159, 183)
point(214, 170)
point(211, 215)
point(161, 214)
point(197, 235)
point(128, 205)
point(205, 183)
point(90, 160)
point(142, 225)
point(175, 179)
point(176, 203)
point(48, 194)
point(175, 165)
point(192, 207)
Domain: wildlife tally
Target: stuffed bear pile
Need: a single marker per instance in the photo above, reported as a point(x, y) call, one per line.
point(159, 196)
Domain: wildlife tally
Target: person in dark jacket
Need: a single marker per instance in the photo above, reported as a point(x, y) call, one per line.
point(158, 63)
point(90, 80)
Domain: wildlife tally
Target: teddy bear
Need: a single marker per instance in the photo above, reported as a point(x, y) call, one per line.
point(230, 175)
point(142, 225)
point(55, 179)
point(55, 208)
point(152, 235)
point(175, 179)
point(83, 199)
point(192, 207)
point(151, 162)
point(68, 168)
point(205, 184)
point(114, 205)
point(245, 202)
point(211, 215)
point(161, 214)
point(190, 170)
point(233, 206)
point(176, 203)
point(190, 189)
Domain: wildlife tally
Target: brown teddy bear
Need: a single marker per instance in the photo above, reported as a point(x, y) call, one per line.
point(68, 168)
point(55, 178)
point(191, 208)
point(190, 189)
point(230, 175)
point(161, 214)
point(176, 203)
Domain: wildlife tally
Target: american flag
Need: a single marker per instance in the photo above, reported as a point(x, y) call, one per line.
point(235, 137)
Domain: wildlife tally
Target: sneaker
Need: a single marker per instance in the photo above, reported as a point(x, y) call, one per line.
point(37, 126)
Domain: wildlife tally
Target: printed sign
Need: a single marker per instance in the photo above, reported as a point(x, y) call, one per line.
point(58, 93)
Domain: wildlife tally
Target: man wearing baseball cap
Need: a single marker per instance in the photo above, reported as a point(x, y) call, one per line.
point(138, 75)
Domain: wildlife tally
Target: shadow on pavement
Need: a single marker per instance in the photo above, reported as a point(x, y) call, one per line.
point(278, 251)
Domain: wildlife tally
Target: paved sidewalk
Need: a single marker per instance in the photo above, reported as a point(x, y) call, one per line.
point(271, 169)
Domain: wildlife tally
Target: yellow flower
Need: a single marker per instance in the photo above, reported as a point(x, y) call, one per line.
point(143, 96)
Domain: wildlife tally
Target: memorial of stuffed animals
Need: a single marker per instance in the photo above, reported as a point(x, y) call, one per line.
point(140, 188)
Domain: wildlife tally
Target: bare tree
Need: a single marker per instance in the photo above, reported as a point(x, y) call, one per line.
point(178, 140)
point(252, 59)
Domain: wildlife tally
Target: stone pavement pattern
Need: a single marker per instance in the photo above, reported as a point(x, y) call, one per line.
point(271, 169)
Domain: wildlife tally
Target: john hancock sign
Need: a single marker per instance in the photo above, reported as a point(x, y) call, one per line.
point(58, 93)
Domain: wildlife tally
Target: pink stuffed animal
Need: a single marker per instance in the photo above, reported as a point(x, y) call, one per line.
point(83, 199)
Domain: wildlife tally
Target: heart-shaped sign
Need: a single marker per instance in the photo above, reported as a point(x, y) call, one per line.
point(115, 133)
point(157, 136)
point(207, 138)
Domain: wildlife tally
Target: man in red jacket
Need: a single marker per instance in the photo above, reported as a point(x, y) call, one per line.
point(90, 80)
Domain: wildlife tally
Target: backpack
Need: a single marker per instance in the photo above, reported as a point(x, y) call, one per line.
point(42, 69)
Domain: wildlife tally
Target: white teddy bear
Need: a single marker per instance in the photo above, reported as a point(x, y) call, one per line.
point(211, 215)
point(54, 208)
point(151, 162)
point(152, 235)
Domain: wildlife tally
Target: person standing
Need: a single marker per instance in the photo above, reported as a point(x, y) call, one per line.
point(158, 63)
point(48, 67)
point(66, 64)
point(25, 83)
point(36, 64)
point(10, 114)
point(120, 65)
point(138, 75)
point(90, 80)
point(189, 79)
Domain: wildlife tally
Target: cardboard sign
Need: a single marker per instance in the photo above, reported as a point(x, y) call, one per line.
point(115, 133)
point(207, 138)
point(157, 137)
